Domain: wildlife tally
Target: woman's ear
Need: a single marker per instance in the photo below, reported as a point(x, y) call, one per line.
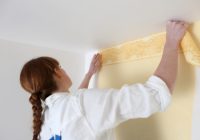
point(57, 72)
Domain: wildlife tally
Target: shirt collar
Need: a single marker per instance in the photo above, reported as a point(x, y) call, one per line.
point(53, 97)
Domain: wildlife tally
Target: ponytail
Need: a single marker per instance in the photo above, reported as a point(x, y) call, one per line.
point(37, 114)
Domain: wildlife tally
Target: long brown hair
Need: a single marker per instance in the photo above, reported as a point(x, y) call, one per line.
point(36, 77)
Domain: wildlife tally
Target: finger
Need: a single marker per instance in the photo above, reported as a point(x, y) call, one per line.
point(171, 20)
point(171, 23)
point(98, 57)
point(94, 58)
point(98, 66)
point(93, 61)
point(97, 63)
point(176, 20)
point(181, 22)
point(186, 25)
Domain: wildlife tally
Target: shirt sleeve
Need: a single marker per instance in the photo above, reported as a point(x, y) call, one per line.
point(106, 108)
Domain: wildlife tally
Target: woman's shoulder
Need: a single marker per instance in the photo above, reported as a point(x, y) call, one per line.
point(59, 106)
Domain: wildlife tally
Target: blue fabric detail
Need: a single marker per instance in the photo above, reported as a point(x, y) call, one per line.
point(57, 137)
point(52, 138)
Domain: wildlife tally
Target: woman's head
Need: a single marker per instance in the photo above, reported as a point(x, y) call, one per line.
point(44, 74)
point(42, 77)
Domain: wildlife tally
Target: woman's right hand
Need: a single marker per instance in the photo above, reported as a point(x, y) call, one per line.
point(176, 30)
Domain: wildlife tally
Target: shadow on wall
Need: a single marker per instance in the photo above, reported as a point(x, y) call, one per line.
point(131, 128)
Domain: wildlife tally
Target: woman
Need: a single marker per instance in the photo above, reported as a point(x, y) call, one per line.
point(91, 114)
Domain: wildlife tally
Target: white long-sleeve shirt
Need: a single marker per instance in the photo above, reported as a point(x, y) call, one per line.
point(92, 114)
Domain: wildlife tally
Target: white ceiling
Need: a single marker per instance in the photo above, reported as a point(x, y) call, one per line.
point(88, 24)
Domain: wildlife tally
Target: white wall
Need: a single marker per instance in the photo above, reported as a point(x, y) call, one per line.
point(16, 113)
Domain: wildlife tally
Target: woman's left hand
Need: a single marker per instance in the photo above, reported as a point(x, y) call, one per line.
point(95, 64)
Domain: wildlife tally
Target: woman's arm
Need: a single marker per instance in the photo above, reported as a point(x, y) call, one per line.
point(85, 81)
point(95, 66)
point(167, 69)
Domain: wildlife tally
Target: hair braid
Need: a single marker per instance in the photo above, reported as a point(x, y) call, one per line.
point(38, 78)
point(37, 114)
